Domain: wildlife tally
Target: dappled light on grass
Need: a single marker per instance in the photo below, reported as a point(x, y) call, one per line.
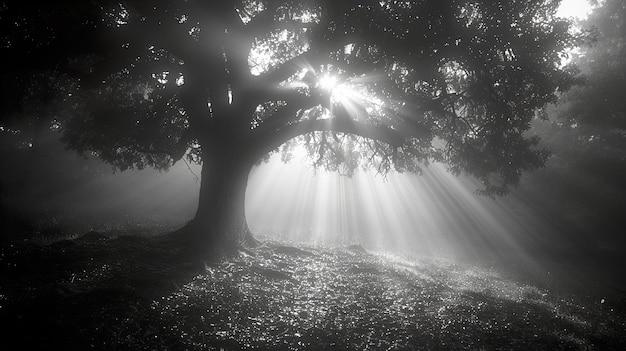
point(314, 297)
point(139, 293)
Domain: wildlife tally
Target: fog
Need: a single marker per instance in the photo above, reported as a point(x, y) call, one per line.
point(432, 213)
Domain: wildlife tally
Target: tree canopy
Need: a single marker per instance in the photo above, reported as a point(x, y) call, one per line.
point(457, 81)
point(45, 48)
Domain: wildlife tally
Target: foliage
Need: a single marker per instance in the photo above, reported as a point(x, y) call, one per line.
point(598, 107)
point(454, 81)
point(586, 130)
point(44, 46)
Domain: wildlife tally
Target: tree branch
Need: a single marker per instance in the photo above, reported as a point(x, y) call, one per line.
point(295, 102)
point(267, 143)
point(287, 69)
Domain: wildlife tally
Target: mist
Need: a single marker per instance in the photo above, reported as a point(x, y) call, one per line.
point(434, 213)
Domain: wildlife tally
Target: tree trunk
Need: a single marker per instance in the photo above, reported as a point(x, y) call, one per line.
point(220, 226)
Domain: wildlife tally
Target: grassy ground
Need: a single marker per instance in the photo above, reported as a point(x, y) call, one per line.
point(139, 293)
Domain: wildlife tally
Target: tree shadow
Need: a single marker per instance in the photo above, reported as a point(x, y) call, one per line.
point(87, 292)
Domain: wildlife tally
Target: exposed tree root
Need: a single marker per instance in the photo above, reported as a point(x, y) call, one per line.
point(194, 240)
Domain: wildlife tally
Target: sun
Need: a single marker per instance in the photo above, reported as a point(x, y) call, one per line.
point(340, 92)
point(328, 82)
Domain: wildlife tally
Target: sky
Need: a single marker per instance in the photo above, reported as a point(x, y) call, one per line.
point(578, 9)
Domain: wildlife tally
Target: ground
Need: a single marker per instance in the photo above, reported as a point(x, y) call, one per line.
point(109, 292)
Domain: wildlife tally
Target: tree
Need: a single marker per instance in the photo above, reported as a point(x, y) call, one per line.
point(597, 107)
point(586, 130)
point(385, 84)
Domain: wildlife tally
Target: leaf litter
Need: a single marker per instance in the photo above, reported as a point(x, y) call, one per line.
point(141, 293)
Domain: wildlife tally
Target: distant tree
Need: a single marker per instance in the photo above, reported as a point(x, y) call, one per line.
point(586, 130)
point(598, 108)
point(374, 84)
